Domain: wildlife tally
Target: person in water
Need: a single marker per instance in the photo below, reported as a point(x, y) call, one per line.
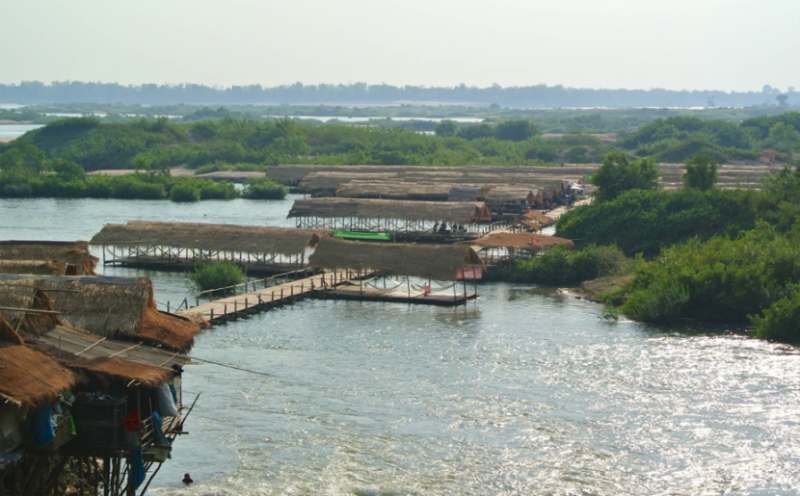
point(187, 479)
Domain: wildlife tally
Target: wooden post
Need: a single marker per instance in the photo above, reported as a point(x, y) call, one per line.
point(168, 306)
point(212, 314)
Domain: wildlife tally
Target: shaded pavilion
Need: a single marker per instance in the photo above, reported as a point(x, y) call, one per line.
point(502, 247)
point(370, 268)
point(371, 215)
point(180, 246)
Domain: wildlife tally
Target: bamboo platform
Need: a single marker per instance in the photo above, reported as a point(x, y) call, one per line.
point(443, 298)
point(234, 307)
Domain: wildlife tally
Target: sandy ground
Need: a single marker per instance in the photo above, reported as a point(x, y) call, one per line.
point(176, 172)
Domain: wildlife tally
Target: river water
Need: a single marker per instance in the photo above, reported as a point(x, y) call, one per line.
point(522, 392)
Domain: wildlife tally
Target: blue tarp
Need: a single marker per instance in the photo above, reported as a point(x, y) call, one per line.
point(137, 467)
point(42, 427)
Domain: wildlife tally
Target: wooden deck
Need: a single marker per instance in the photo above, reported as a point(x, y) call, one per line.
point(237, 306)
point(443, 298)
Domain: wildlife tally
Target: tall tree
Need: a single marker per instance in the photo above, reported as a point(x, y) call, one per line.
point(701, 173)
point(618, 174)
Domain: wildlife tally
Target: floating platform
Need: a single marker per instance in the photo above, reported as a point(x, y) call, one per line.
point(443, 298)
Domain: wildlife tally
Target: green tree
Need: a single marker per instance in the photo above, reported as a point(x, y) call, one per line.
point(445, 129)
point(618, 174)
point(783, 138)
point(515, 130)
point(701, 173)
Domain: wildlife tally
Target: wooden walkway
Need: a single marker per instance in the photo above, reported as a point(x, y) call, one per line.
point(439, 298)
point(234, 307)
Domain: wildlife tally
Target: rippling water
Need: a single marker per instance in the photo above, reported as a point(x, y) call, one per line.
point(520, 392)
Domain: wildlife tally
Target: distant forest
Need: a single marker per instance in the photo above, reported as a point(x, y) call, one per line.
point(539, 96)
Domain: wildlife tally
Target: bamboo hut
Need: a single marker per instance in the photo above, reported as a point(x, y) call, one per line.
point(531, 221)
point(75, 253)
point(112, 307)
point(369, 266)
point(175, 245)
point(29, 378)
point(502, 247)
point(372, 215)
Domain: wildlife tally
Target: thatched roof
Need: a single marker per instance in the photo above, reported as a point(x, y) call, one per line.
point(79, 349)
point(18, 297)
point(42, 267)
point(70, 252)
point(409, 259)
point(538, 217)
point(460, 212)
point(395, 190)
point(511, 194)
point(328, 182)
point(113, 307)
point(215, 237)
point(521, 241)
point(30, 378)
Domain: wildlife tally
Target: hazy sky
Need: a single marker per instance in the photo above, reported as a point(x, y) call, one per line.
point(675, 44)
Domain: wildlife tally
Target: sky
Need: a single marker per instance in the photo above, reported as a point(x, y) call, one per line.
point(724, 45)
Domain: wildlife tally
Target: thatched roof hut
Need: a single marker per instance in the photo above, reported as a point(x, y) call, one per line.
point(113, 307)
point(215, 237)
point(395, 190)
point(41, 267)
point(538, 218)
point(82, 350)
point(70, 252)
point(459, 212)
point(328, 182)
point(521, 241)
point(408, 259)
point(28, 377)
point(512, 194)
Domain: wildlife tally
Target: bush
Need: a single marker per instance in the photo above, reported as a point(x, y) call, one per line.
point(184, 193)
point(781, 321)
point(264, 189)
point(561, 266)
point(216, 275)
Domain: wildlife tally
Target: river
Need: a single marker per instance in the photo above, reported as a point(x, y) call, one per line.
point(522, 392)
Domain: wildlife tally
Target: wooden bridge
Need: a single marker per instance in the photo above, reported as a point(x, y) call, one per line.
point(260, 299)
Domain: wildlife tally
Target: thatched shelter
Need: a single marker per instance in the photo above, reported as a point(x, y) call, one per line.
point(69, 252)
point(40, 267)
point(521, 241)
point(385, 215)
point(531, 221)
point(512, 194)
point(425, 261)
point(89, 352)
point(28, 377)
point(211, 237)
point(112, 307)
point(395, 190)
point(180, 245)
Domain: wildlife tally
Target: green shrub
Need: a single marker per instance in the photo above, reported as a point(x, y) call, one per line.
point(562, 266)
point(781, 321)
point(216, 275)
point(264, 189)
point(185, 193)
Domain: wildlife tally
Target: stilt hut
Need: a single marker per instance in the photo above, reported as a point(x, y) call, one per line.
point(112, 307)
point(180, 246)
point(500, 248)
point(395, 190)
point(370, 267)
point(369, 215)
point(75, 253)
point(122, 413)
point(531, 221)
point(41, 267)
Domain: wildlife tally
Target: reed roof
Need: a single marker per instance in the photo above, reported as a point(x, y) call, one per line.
point(395, 190)
point(41, 267)
point(215, 237)
point(118, 359)
point(71, 252)
point(29, 377)
point(521, 241)
point(113, 307)
point(460, 212)
point(538, 217)
point(503, 194)
point(409, 259)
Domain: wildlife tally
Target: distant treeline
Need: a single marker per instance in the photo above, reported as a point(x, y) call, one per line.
point(36, 92)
